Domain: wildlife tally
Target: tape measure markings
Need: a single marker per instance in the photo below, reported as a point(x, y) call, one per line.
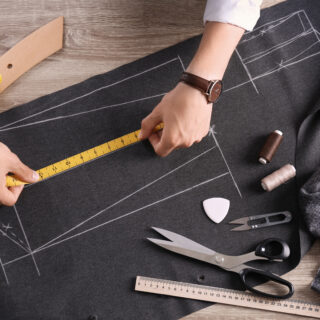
point(83, 157)
point(225, 296)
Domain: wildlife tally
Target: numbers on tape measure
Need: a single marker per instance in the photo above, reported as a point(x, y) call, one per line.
point(83, 157)
point(40, 174)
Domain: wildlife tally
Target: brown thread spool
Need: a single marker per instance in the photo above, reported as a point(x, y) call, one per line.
point(278, 177)
point(270, 147)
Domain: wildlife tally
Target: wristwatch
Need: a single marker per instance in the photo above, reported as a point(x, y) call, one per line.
point(210, 88)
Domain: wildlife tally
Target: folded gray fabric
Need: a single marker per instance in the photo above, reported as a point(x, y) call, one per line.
point(309, 199)
point(316, 282)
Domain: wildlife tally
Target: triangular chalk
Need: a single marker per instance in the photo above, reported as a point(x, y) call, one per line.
point(216, 208)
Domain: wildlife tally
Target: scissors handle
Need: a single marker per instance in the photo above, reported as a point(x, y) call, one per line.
point(265, 275)
point(273, 249)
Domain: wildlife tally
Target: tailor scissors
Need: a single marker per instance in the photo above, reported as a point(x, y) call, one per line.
point(271, 249)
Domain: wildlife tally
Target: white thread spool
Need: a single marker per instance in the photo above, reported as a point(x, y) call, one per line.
point(278, 177)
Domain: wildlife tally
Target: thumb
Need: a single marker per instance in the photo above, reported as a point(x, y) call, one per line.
point(148, 124)
point(23, 172)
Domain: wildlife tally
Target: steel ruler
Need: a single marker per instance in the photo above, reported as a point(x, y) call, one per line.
point(225, 296)
point(83, 157)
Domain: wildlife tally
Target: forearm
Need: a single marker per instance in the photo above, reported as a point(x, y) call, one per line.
point(217, 45)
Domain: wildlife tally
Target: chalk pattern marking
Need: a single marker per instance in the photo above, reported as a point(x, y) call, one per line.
point(64, 236)
point(245, 61)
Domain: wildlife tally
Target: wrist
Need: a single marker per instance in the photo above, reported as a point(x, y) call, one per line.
point(195, 92)
point(203, 71)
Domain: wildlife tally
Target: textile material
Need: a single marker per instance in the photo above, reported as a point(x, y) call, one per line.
point(316, 282)
point(308, 164)
point(242, 13)
point(73, 245)
point(310, 204)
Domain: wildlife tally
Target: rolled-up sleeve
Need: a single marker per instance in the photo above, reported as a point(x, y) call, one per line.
point(242, 13)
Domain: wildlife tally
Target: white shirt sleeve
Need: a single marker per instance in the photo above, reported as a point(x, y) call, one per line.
point(242, 13)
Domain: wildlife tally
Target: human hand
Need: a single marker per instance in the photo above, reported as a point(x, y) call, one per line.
point(186, 116)
point(9, 162)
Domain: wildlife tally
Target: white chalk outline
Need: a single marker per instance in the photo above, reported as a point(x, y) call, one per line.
point(12, 240)
point(82, 112)
point(94, 216)
point(27, 242)
point(276, 47)
point(118, 218)
point(127, 197)
point(212, 133)
point(45, 246)
point(282, 64)
point(303, 26)
point(243, 61)
point(247, 70)
point(4, 272)
point(182, 65)
point(272, 71)
point(89, 93)
point(280, 20)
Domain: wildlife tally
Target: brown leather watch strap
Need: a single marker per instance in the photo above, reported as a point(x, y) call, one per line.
point(210, 88)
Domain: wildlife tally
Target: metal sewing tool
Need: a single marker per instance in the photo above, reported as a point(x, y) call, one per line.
point(270, 249)
point(262, 221)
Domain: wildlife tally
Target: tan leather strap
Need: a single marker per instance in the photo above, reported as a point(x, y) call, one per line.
point(210, 88)
point(30, 51)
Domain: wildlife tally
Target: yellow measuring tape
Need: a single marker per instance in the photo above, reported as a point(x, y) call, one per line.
point(83, 157)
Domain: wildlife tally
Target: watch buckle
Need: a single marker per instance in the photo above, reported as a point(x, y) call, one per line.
point(209, 90)
point(210, 87)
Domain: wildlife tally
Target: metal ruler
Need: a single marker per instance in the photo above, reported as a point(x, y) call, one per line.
point(83, 157)
point(225, 296)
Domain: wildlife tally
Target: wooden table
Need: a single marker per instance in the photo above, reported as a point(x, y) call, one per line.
point(99, 36)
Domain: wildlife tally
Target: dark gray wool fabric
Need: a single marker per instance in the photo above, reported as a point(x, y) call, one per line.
point(310, 203)
point(308, 176)
point(316, 282)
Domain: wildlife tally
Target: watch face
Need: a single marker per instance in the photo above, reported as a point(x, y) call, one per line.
point(215, 92)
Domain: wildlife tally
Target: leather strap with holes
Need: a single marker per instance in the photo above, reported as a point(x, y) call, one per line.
point(210, 88)
point(30, 51)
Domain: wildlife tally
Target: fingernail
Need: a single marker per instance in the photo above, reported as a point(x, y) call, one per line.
point(140, 135)
point(35, 176)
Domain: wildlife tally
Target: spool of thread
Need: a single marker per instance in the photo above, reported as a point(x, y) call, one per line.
point(278, 177)
point(270, 147)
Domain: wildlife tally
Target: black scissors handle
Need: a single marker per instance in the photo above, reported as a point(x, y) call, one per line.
point(273, 249)
point(265, 275)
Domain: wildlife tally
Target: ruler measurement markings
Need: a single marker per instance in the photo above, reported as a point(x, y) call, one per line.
point(105, 148)
point(112, 145)
point(83, 157)
point(91, 154)
point(118, 143)
point(225, 296)
point(78, 159)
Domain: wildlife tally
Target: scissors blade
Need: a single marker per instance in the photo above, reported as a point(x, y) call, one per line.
point(240, 220)
point(242, 228)
point(183, 241)
point(181, 249)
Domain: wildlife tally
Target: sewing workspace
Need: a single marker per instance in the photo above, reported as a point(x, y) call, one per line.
point(159, 159)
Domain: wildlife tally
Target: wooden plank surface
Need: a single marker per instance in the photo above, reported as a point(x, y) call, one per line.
point(99, 36)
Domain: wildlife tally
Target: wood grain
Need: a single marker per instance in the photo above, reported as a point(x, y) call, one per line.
point(99, 36)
